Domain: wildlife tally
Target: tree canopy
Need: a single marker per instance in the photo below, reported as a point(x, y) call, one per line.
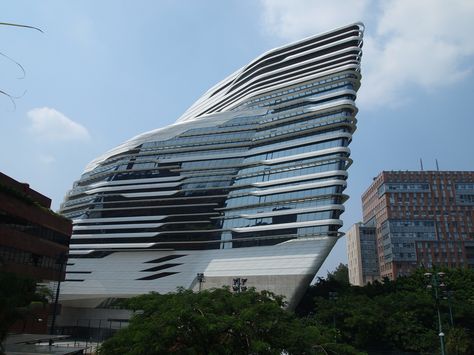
point(219, 322)
point(340, 274)
point(333, 318)
point(16, 294)
point(396, 315)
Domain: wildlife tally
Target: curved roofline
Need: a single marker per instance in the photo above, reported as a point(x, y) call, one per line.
point(218, 93)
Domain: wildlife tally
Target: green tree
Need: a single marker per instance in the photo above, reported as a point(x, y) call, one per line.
point(459, 342)
point(217, 322)
point(395, 315)
point(341, 274)
point(16, 294)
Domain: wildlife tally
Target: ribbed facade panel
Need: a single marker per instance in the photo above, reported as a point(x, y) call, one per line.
point(248, 182)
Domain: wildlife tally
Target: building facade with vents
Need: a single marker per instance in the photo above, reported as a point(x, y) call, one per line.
point(248, 183)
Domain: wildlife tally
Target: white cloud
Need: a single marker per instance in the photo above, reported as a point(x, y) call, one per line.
point(52, 125)
point(46, 159)
point(300, 18)
point(423, 43)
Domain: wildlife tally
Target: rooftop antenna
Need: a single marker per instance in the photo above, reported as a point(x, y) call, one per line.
point(437, 166)
point(421, 164)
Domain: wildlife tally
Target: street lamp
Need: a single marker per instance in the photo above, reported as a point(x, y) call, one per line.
point(239, 284)
point(436, 284)
point(447, 295)
point(61, 260)
point(201, 279)
point(333, 297)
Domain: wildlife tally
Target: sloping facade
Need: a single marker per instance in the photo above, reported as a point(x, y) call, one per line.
point(247, 183)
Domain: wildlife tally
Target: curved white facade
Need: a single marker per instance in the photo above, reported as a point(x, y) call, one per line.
point(247, 183)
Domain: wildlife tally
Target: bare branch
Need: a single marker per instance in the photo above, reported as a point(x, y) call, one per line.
point(14, 61)
point(12, 99)
point(18, 25)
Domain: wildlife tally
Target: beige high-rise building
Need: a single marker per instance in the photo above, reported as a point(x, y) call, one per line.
point(362, 254)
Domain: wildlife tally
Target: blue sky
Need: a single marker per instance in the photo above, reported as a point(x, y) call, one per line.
point(104, 71)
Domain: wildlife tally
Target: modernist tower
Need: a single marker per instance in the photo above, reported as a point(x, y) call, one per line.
point(247, 183)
